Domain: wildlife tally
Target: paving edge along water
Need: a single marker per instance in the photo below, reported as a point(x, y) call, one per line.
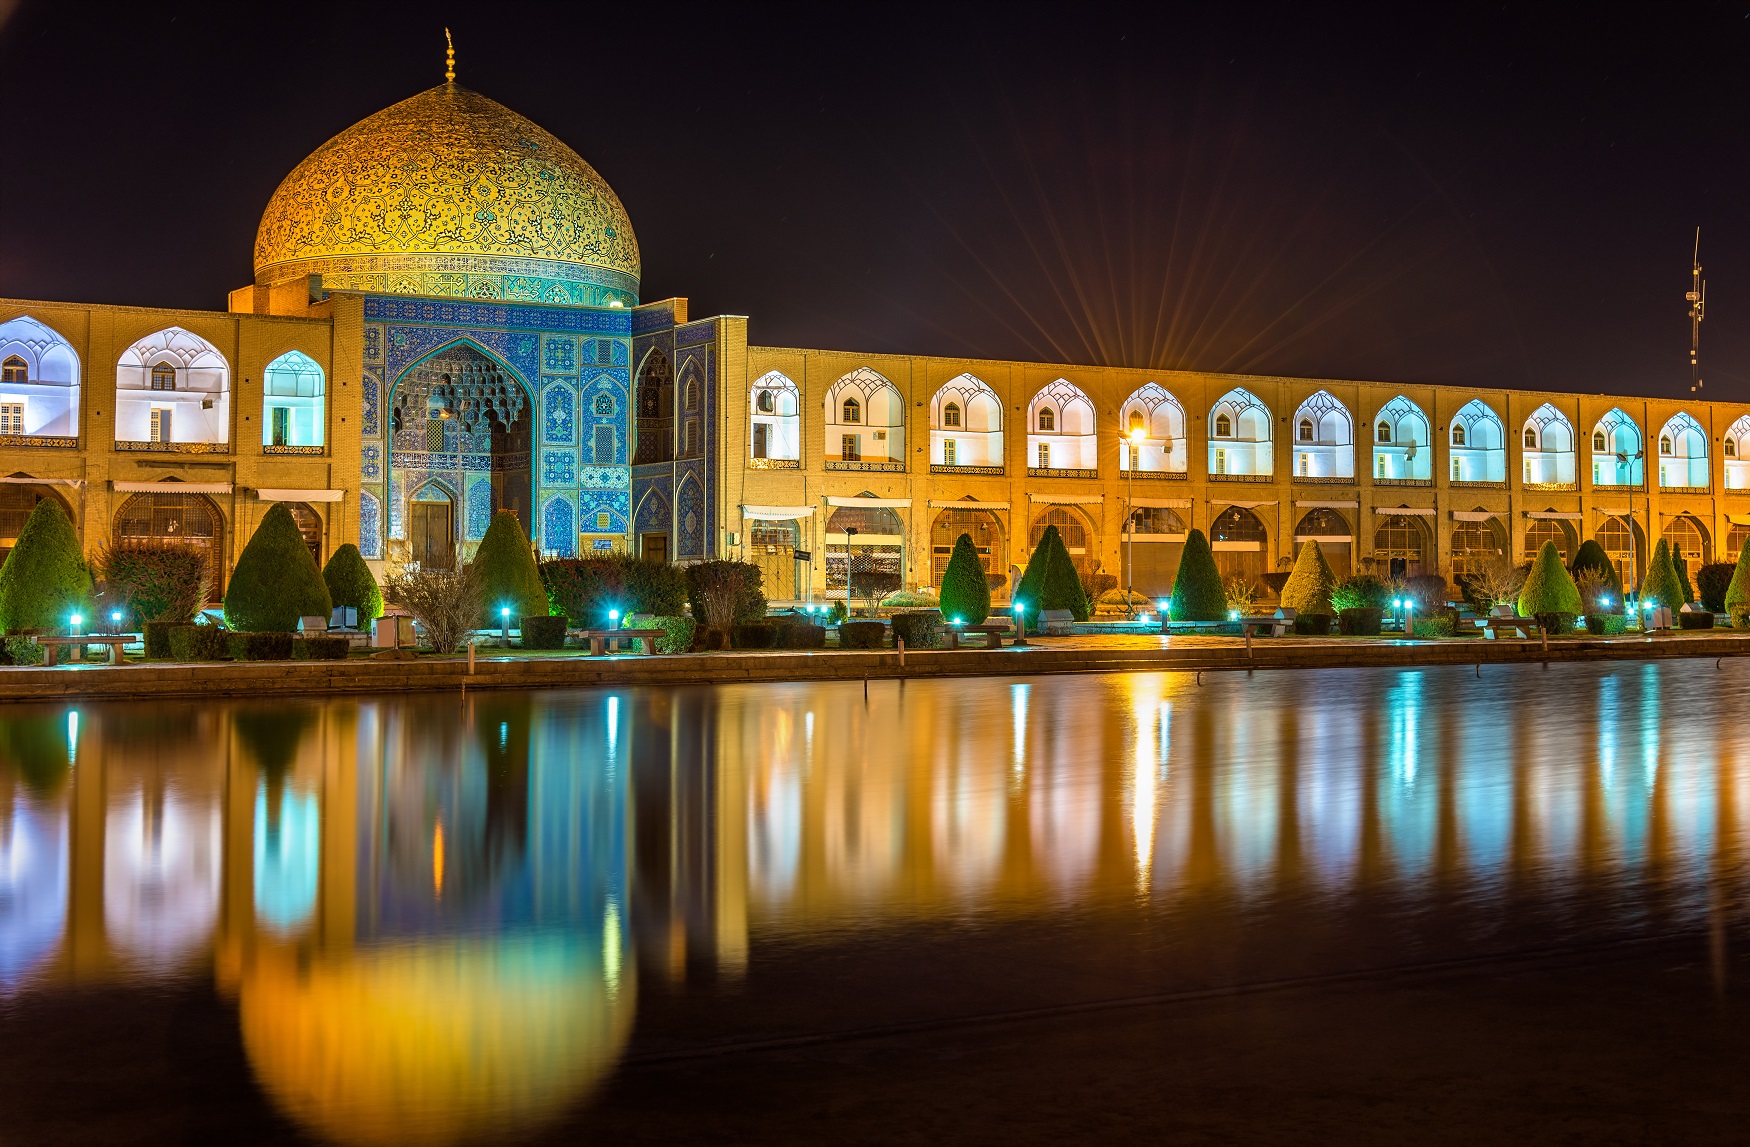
point(156, 680)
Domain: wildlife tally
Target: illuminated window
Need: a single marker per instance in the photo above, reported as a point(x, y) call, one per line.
point(14, 369)
point(604, 351)
point(1665, 446)
point(1455, 471)
point(760, 430)
point(1221, 461)
point(1380, 459)
point(1047, 420)
point(1382, 433)
point(764, 402)
point(604, 521)
point(951, 415)
point(851, 448)
point(1135, 421)
point(1530, 438)
point(1598, 441)
point(690, 398)
point(11, 418)
point(950, 451)
point(1458, 436)
point(163, 377)
point(1731, 448)
point(280, 430)
point(604, 446)
point(604, 405)
point(1306, 430)
point(160, 424)
point(1224, 426)
point(1045, 455)
point(853, 410)
point(1305, 464)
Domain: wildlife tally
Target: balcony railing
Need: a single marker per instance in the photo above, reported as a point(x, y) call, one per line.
point(1685, 489)
point(774, 463)
point(1255, 479)
point(172, 447)
point(981, 471)
point(1478, 485)
point(1059, 472)
point(1550, 486)
point(1322, 480)
point(1156, 475)
point(884, 467)
point(1403, 481)
point(1625, 487)
point(302, 451)
point(39, 441)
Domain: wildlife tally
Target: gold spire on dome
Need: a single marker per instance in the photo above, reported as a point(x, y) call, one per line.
point(449, 59)
point(450, 193)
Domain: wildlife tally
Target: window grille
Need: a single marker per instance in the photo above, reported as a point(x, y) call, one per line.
point(853, 410)
point(1306, 430)
point(951, 415)
point(1382, 432)
point(11, 418)
point(163, 377)
point(604, 446)
point(1224, 427)
point(1045, 455)
point(604, 522)
point(1047, 421)
point(1458, 436)
point(949, 452)
point(1530, 438)
point(14, 369)
point(160, 424)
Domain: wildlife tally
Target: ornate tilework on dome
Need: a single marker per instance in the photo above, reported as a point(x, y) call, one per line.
point(450, 193)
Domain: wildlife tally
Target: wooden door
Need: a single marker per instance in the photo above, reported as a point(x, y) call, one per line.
point(434, 546)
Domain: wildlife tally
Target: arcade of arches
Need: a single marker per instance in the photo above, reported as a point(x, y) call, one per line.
point(1239, 541)
point(1077, 537)
point(986, 531)
point(184, 519)
point(17, 500)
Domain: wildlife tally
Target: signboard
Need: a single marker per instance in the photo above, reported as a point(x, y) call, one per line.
point(804, 555)
point(602, 544)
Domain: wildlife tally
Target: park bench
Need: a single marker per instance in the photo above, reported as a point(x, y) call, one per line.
point(1503, 618)
point(51, 646)
point(1056, 622)
point(993, 634)
point(599, 638)
point(1269, 625)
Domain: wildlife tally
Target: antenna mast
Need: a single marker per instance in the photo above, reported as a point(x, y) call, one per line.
point(1697, 298)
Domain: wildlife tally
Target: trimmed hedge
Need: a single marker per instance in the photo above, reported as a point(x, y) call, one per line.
point(351, 583)
point(199, 642)
point(921, 630)
point(1312, 625)
point(965, 589)
point(587, 588)
point(1591, 556)
point(801, 635)
point(1681, 565)
point(156, 581)
point(1738, 592)
point(1062, 586)
point(755, 635)
point(1740, 616)
point(1439, 625)
point(1362, 591)
point(1711, 583)
point(544, 631)
point(1360, 621)
point(1606, 624)
point(1549, 588)
point(1197, 591)
point(1308, 589)
point(23, 651)
point(1558, 624)
point(1694, 620)
point(677, 631)
point(276, 580)
point(259, 646)
point(1662, 586)
point(157, 637)
point(862, 635)
point(1033, 577)
point(324, 648)
point(508, 575)
point(45, 580)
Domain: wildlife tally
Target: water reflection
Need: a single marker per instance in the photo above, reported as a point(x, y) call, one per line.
point(431, 912)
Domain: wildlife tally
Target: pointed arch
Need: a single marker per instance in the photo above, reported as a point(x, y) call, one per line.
point(1157, 415)
point(775, 424)
point(1061, 437)
point(1736, 449)
point(39, 389)
point(1683, 462)
point(1478, 445)
point(1240, 443)
point(1401, 441)
point(865, 423)
point(966, 427)
point(294, 397)
point(173, 392)
point(653, 403)
point(1547, 449)
point(1617, 455)
point(1324, 439)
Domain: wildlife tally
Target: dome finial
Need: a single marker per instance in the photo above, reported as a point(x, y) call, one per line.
point(449, 59)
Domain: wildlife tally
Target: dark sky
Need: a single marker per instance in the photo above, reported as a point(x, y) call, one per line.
point(1499, 196)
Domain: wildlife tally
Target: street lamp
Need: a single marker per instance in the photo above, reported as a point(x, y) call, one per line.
point(613, 619)
point(1136, 437)
point(504, 622)
point(1020, 608)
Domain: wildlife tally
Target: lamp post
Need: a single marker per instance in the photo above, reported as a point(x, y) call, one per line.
point(504, 623)
point(1623, 458)
point(1136, 437)
point(1020, 608)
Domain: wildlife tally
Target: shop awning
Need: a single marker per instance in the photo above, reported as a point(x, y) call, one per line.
point(300, 495)
point(1349, 505)
point(1241, 505)
point(18, 480)
point(776, 513)
point(871, 503)
point(1561, 515)
point(1068, 499)
point(172, 487)
point(1472, 515)
point(1738, 519)
point(1162, 503)
point(1344, 538)
point(963, 504)
point(1409, 511)
point(1612, 512)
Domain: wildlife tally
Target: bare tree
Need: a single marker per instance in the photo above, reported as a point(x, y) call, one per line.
point(446, 602)
point(1497, 583)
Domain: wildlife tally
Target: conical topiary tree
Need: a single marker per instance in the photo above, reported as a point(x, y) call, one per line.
point(276, 580)
point(1738, 593)
point(1681, 565)
point(1062, 585)
point(1591, 556)
point(1308, 589)
point(1662, 586)
point(507, 570)
point(45, 579)
point(965, 589)
point(1549, 589)
point(1197, 592)
point(1033, 577)
point(350, 583)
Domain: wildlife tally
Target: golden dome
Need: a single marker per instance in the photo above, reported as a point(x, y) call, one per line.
point(450, 193)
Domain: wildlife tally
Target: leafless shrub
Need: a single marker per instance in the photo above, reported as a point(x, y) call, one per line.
point(446, 602)
point(1595, 585)
point(1239, 593)
point(1497, 583)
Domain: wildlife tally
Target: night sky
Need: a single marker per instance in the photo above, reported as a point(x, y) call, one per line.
point(1488, 196)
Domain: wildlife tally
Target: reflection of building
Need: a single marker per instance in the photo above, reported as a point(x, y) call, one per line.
point(422, 915)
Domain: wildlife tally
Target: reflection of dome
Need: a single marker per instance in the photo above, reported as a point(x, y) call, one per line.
point(450, 193)
point(435, 1043)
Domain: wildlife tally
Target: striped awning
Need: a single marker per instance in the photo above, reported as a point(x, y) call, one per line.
point(300, 495)
point(1402, 511)
point(172, 487)
point(963, 504)
point(1068, 499)
point(776, 513)
point(1561, 515)
point(870, 503)
point(1162, 503)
